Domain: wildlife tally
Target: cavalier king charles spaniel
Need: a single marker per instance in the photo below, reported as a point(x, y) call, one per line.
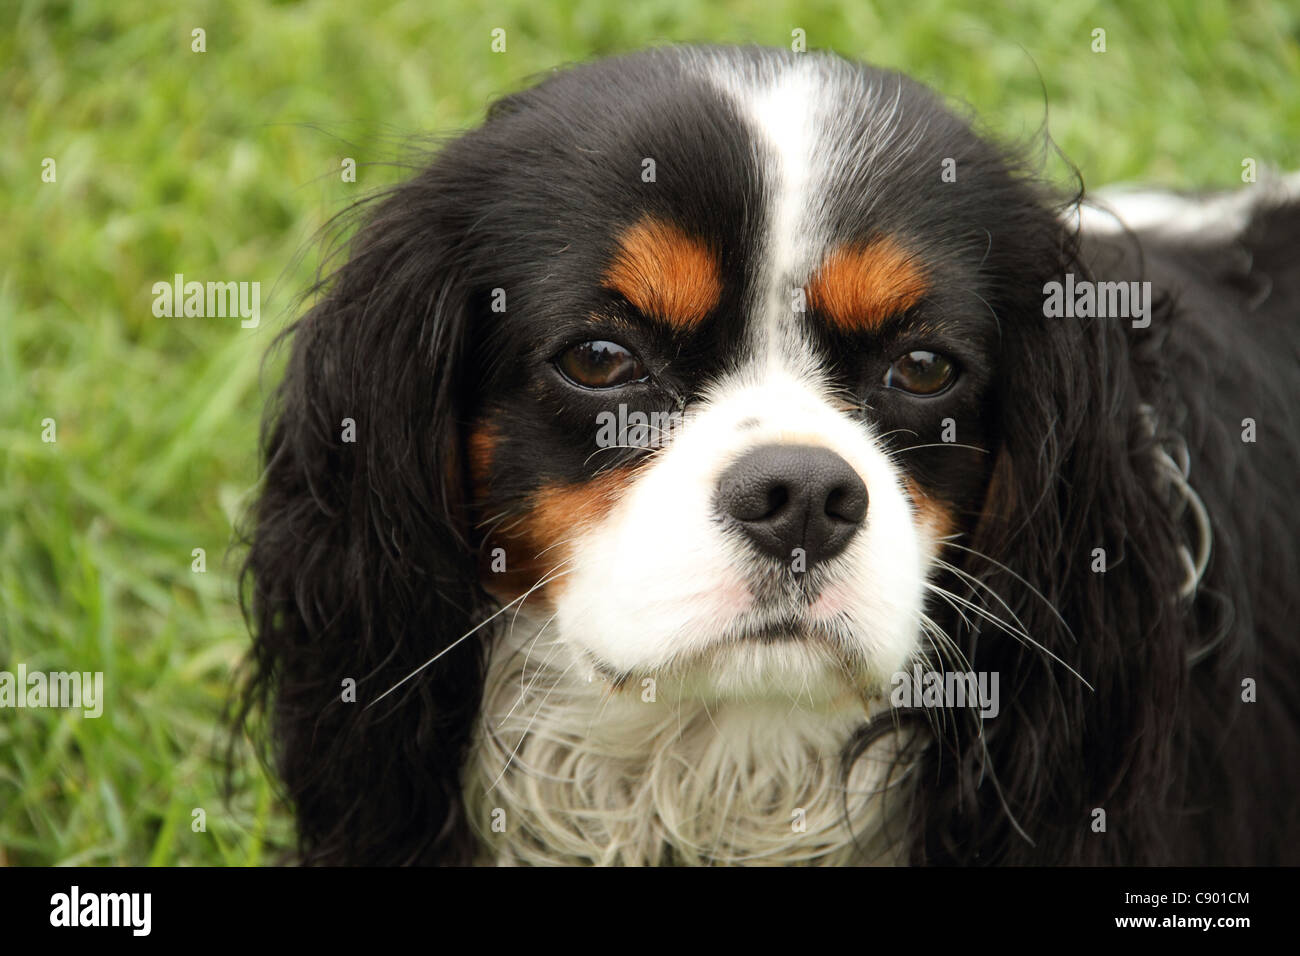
point(728, 456)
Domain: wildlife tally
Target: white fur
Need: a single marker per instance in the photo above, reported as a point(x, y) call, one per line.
point(573, 773)
point(1213, 217)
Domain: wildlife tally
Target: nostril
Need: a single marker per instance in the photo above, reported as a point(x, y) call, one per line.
point(746, 499)
point(778, 496)
point(835, 504)
point(847, 503)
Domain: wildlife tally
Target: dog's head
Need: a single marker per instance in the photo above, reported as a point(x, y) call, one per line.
point(702, 356)
point(735, 352)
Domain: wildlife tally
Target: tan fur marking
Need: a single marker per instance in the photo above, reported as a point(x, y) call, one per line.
point(482, 444)
point(666, 273)
point(858, 287)
point(540, 543)
point(936, 516)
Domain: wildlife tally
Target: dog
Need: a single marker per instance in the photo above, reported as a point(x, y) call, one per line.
point(728, 456)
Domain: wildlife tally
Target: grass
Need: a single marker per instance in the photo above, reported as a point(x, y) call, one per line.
point(223, 165)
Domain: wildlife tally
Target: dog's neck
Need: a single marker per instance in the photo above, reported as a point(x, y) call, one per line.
point(566, 769)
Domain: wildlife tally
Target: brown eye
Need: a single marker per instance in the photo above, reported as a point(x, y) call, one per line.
point(921, 373)
point(600, 365)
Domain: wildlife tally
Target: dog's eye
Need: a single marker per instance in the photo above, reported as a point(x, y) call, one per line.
point(600, 365)
point(921, 373)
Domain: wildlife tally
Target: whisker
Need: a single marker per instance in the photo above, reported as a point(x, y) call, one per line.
point(523, 669)
point(944, 444)
point(961, 660)
point(1038, 593)
point(525, 690)
point(1003, 625)
point(976, 582)
point(651, 450)
point(528, 727)
point(491, 617)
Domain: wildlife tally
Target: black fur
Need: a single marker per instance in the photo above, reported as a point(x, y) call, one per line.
point(1186, 771)
point(363, 555)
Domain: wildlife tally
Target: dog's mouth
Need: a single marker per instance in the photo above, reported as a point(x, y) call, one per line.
point(784, 629)
point(782, 657)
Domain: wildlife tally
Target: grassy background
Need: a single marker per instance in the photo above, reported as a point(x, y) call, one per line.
point(223, 165)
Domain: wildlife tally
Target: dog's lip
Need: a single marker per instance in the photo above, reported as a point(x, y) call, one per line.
point(786, 623)
point(791, 629)
point(785, 629)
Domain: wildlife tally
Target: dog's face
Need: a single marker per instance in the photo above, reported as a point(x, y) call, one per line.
point(737, 354)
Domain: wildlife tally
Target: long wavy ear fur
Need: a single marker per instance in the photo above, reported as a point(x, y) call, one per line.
point(1075, 471)
point(1094, 416)
point(358, 566)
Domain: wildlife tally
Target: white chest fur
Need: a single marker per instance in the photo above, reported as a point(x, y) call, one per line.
point(567, 770)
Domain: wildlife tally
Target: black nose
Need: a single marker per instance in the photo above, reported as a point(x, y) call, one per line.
point(793, 496)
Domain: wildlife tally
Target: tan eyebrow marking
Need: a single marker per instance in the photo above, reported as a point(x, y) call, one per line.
point(666, 273)
point(859, 286)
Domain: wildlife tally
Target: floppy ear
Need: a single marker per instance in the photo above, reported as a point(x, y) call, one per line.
point(1075, 471)
point(359, 564)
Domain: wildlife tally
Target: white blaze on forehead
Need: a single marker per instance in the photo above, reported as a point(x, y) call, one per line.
point(824, 131)
point(784, 114)
point(783, 106)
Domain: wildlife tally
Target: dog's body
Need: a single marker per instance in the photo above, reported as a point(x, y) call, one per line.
point(885, 435)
